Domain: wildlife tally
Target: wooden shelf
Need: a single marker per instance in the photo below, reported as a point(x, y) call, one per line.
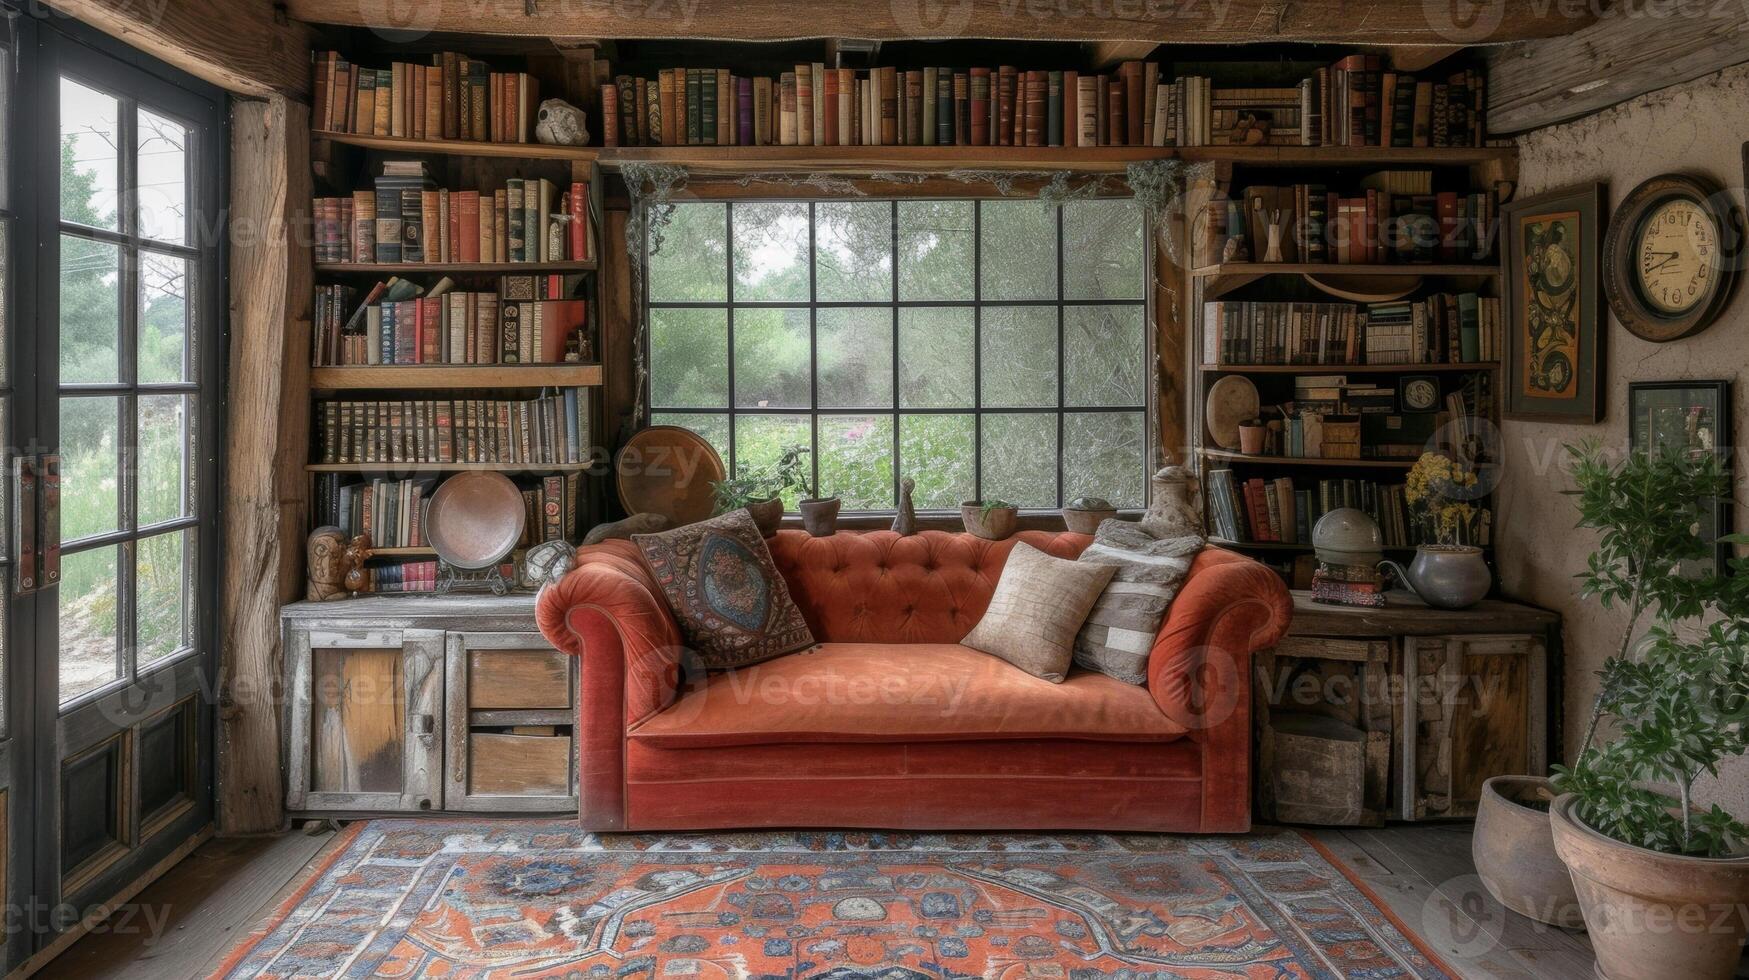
point(1379, 464)
point(454, 268)
point(470, 148)
point(1348, 368)
point(1336, 156)
point(423, 376)
point(1288, 545)
point(1218, 280)
point(413, 468)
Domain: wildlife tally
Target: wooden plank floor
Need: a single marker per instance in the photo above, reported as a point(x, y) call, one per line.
point(1421, 873)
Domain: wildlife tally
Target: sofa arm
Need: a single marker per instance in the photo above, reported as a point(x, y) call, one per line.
point(1199, 671)
point(608, 608)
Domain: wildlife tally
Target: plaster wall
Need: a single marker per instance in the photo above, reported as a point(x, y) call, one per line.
point(1698, 127)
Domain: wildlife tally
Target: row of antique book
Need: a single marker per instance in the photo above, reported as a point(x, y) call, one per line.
point(527, 320)
point(1264, 510)
point(406, 218)
point(1440, 328)
point(455, 97)
point(551, 429)
point(392, 511)
point(1351, 103)
point(1393, 216)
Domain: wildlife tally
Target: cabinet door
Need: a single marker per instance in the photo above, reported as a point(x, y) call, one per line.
point(364, 711)
point(509, 720)
point(1473, 708)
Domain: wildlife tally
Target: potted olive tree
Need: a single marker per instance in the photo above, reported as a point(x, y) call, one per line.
point(1663, 882)
point(761, 489)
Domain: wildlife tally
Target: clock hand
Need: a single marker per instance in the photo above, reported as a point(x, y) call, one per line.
point(1669, 257)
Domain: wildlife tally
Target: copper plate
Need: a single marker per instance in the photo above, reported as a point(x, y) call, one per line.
point(668, 470)
point(475, 519)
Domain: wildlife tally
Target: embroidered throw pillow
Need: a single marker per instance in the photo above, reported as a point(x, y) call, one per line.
point(1119, 633)
point(727, 597)
point(1039, 605)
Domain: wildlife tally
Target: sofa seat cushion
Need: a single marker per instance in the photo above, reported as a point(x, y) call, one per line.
point(914, 692)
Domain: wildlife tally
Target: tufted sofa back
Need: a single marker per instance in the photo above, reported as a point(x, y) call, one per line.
point(878, 587)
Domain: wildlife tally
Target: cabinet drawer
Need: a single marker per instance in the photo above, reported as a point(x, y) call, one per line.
point(518, 679)
point(519, 765)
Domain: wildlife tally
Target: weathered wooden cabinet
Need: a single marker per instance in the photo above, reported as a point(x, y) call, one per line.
point(418, 703)
point(1401, 712)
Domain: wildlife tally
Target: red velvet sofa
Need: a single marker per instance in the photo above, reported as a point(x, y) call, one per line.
point(889, 722)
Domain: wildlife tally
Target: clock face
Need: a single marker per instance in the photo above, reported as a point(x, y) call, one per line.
point(1676, 256)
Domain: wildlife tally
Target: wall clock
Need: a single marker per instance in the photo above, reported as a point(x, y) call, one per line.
point(1669, 261)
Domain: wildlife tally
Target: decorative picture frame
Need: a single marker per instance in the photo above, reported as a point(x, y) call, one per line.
point(1695, 415)
point(1554, 369)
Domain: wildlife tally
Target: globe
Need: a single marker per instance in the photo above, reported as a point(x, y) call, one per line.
point(1346, 536)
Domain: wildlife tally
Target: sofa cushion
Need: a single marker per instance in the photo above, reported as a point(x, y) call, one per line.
point(727, 597)
point(919, 692)
point(1119, 632)
point(1038, 608)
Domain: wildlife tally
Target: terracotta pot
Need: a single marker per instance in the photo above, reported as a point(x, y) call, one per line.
point(1085, 521)
point(1653, 915)
point(1251, 439)
point(1515, 852)
point(994, 524)
point(767, 513)
point(820, 517)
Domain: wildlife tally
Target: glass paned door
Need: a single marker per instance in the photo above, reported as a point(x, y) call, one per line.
point(122, 181)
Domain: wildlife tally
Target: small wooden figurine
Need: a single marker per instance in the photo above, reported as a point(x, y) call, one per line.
point(357, 553)
point(325, 565)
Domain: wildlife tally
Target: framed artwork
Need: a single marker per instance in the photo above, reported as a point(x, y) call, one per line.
point(1554, 341)
point(1694, 416)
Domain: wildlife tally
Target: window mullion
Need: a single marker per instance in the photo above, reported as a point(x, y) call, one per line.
point(1062, 358)
point(813, 357)
point(729, 330)
point(978, 350)
point(893, 332)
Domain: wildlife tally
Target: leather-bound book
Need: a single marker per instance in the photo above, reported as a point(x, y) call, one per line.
point(1005, 87)
point(978, 106)
point(889, 100)
point(962, 116)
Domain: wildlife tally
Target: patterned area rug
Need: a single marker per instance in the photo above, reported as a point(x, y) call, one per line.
point(406, 898)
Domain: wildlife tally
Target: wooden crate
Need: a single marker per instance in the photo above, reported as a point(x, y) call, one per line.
point(1322, 716)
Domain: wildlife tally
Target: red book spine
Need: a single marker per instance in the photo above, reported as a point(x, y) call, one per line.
point(979, 98)
point(829, 116)
point(578, 229)
point(1446, 203)
point(465, 207)
point(1071, 111)
point(1117, 128)
point(744, 110)
point(1005, 79)
point(610, 115)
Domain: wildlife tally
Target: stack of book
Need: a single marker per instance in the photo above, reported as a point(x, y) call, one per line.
point(1363, 105)
point(408, 576)
point(1441, 328)
point(550, 510)
point(453, 98)
point(1348, 585)
point(528, 320)
point(816, 105)
point(408, 219)
point(552, 429)
point(1393, 218)
point(1277, 510)
point(390, 511)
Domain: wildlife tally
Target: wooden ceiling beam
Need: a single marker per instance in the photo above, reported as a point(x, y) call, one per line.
point(1619, 57)
point(250, 47)
point(1185, 22)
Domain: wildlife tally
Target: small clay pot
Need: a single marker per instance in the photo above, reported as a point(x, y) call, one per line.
point(994, 524)
point(1086, 521)
point(820, 517)
point(1251, 439)
point(767, 514)
point(1515, 854)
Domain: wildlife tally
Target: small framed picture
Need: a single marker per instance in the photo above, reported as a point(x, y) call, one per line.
point(1694, 417)
point(1554, 341)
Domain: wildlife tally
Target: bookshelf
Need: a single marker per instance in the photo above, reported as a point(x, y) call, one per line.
point(1372, 481)
point(349, 162)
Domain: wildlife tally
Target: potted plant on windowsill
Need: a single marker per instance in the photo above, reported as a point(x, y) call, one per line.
point(1663, 882)
point(820, 515)
point(761, 489)
point(993, 519)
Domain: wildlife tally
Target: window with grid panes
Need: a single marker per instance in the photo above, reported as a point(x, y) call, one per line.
point(986, 349)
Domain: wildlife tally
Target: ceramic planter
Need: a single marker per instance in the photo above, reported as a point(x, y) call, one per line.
point(995, 524)
point(1446, 576)
point(767, 514)
point(1515, 852)
point(820, 517)
point(1653, 915)
point(1085, 521)
point(1251, 438)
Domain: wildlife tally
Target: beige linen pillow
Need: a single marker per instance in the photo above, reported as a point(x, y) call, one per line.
point(1039, 606)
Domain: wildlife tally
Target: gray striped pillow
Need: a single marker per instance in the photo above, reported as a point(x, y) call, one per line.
point(1120, 630)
